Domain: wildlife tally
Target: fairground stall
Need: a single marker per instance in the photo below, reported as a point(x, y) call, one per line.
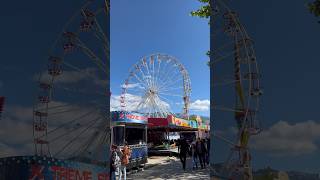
point(131, 128)
point(160, 129)
point(202, 131)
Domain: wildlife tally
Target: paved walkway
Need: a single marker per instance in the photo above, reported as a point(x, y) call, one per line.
point(160, 168)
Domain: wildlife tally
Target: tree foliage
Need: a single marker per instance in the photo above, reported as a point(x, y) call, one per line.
point(314, 8)
point(203, 12)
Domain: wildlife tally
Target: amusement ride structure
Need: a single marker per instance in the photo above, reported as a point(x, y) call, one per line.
point(69, 112)
point(160, 82)
point(236, 94)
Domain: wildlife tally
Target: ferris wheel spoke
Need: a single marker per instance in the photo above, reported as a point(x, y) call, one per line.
point(170, 89)
point(223, 46)
point(169, 78)
point(145, 82)
point(143, 100)
point(171, 83)
point(158, 72)
point(223, 58)
point(145, 64)
point(155, 109)
point(153, 71)
point(140, 81)
point(141, 92)
point(100, 33)
point(75, 107)
point(82, 71)
point(69, 122)
point(79, 91)
point(65, 111)
point(165, 68)
point(168, 85)
point(167, 72)
point(230, 82)
point(69, 131)
point(77, 136)
point(227, 109)
point(92, 56)
point(89, 143)
point(165, 99)
point(169, 94)
point(224, 139)
point(53, 107)
point(162, 108)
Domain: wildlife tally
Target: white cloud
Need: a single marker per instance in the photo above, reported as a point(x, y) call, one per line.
point(200, 105)
point(284, 139)
point(69, 77)
point(131, 86)
point(16, 128)
point(16, 131)
point(131, 102)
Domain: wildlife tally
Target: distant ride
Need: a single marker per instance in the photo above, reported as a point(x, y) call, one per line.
point(158, 82)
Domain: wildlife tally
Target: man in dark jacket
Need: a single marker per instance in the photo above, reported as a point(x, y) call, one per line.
point(184, 149)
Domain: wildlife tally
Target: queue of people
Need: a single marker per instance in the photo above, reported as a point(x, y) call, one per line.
point(119, 161)
point(198, 149)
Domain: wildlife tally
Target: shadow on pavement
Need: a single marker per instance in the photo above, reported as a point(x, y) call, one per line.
point(171, 170)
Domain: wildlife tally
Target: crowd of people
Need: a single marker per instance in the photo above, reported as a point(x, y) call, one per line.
point(198, 149)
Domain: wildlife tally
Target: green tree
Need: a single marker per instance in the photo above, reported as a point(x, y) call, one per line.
point(203, 12)
point(314, 8)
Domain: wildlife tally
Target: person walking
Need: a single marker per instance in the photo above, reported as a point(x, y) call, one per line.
point(201, 150)
point(126, 154)
point(208, 150)
point(194, 155)
point(115, 162)
point(184, 148)
point(178, 144)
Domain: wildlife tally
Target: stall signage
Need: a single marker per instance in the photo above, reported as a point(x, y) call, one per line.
point(181, 122)
point(31, 167)
point(128, 117)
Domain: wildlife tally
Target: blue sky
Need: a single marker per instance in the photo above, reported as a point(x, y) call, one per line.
point(141, 28)
point(286, 42)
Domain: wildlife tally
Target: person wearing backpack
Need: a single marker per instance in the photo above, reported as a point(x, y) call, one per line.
point(126, 154)
point(115, 162)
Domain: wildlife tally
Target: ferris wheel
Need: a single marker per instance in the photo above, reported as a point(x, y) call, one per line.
point(69, 118)
point(236, 90)
point(158, 85)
